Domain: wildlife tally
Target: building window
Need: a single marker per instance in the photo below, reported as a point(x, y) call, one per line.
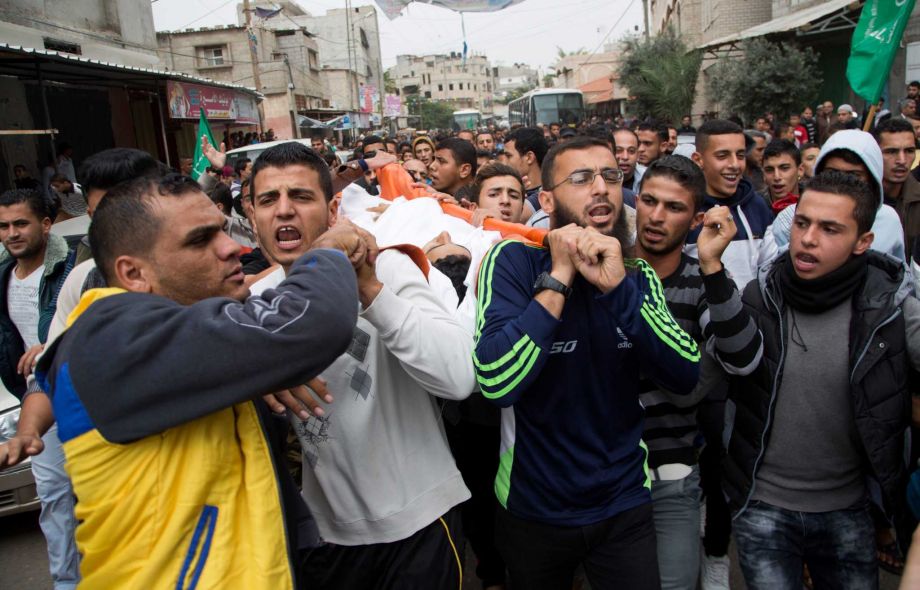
point(440, 88)
point(314, 59)
point(427, 94)
point(213, 56)
point(411, 73)
point(277, 56)
point(475, 86)
point(62, 46)
point(364, 40)
point(450, 86)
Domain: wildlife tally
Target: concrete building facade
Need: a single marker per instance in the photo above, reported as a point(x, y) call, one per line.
point(348, 43)
point(289, 72)
point(508, 78)
point(573, 71)
point(465, 84)
point(118, 31)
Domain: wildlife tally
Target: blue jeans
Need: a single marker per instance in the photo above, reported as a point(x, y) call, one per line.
point(57, 519)
point(676, 506)
point(837, 546)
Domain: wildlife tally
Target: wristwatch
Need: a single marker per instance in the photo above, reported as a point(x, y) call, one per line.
point(546, 281)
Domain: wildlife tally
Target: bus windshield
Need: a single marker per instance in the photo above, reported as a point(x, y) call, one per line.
point(467, 120)
point(559, 108)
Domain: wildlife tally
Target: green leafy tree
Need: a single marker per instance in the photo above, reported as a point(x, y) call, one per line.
point(660, 74)
point(514, 94)
point(560, 52)
point(435, 115)
point(776, 77)
point(389, 84)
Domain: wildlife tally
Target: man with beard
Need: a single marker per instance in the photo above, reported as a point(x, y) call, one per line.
point(485, 141)
point(562, 335)
point(895, 138)
point(706, 304)
point(167, 469)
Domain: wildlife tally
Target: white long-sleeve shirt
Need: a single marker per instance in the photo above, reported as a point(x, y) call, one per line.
point(377, 467)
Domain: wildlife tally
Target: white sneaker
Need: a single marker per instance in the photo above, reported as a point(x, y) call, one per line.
point(714, 573)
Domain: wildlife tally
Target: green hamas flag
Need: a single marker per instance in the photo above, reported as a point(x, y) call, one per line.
point(199, 162)
point(875, 41)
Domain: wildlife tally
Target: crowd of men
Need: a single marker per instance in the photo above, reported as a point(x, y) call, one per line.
point(715, 336)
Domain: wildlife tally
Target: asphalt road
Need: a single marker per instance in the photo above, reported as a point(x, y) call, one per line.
point(24, 563)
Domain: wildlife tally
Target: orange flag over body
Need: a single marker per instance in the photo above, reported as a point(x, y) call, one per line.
point(395, 182)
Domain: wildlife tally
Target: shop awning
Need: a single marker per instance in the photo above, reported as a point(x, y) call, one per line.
point(54, 66)
point(598, 90)
point(829, 16)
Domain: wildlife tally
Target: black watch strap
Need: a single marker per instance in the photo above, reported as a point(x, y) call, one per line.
point(546, 281)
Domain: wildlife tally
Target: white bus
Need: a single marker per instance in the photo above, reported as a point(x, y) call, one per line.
point(547, 105)
point(467, 119)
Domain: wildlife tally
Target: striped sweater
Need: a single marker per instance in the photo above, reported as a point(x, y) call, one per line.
point(709, 309)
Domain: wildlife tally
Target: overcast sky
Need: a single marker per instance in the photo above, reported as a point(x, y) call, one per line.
point(525, 33)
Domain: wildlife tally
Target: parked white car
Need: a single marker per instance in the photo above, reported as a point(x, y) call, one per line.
point(17, 486)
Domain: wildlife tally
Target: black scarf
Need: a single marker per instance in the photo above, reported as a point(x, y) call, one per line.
point(823, 293)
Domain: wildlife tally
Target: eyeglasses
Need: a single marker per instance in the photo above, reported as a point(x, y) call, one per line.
point(585, 177)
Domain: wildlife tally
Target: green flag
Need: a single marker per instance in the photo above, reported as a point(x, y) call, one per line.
point(199, 162)
point(875, 41)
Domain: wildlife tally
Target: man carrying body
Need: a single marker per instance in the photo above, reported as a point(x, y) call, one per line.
point(30, 280)
point(498, 192)
point(707, 305)
point(175, 476)
point(377, 472)
point(572, 480)
point(454, 167)
point(819, 423)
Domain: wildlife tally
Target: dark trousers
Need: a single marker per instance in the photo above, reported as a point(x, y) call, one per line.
point(837, 546)
point(428, 560)
point(718, 525)
point(476, 448)
point(616, 553)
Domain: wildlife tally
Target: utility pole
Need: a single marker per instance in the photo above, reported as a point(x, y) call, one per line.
point(350, 74)
point(645, 16)
point(254, 55)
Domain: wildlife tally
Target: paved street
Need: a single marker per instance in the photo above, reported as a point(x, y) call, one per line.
point(24, 566)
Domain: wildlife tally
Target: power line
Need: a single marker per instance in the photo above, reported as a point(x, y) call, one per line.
point(209, 13)
point(599, 45)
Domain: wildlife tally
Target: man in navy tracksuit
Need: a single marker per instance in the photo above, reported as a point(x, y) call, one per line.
point(562, 336)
